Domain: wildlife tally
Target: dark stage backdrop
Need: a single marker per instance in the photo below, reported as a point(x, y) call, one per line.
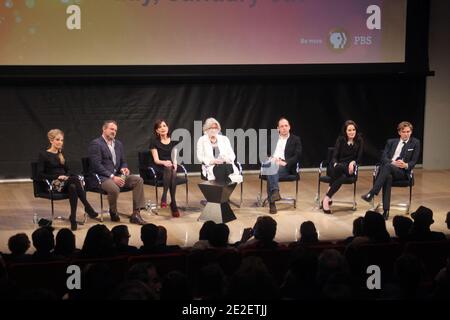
point(316, 108)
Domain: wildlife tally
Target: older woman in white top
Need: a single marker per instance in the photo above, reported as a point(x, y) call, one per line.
point(215, 153)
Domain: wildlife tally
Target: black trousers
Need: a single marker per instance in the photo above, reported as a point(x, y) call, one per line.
point(387, 174)
point(338, 174)
point(222, 171)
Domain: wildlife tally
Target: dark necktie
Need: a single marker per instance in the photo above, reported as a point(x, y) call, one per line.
point(402, 153)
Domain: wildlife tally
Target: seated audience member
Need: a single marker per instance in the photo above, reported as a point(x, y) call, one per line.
point(161, 242)
point(374, 230)
point(252, 281)
point(442, 281)
point(408, 272)
point(98, 243)
point(219, 237)
point(149, 238)
point(211, 283)
point(420, 230)
point(205, 234)
point(358, 230)
point(133, 291)
point(44, 242)
point(97, 283)
point(18, 245)
point(147, 274)
point(176, 287)
point(308, 233)
point(65, 244)
point(121, 237)
point(300, 280)
point(333, 276)
point(402, 226)
point(263, 232)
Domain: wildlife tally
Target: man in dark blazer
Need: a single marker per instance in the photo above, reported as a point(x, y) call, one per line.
point(398, 159)
point(106, 155)
point(286, 155)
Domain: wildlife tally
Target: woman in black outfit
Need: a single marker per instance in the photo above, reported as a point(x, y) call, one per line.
point(347, 153)
point(161, 147)
point(52, 166)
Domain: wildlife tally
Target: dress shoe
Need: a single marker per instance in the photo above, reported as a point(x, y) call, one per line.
point(176, 213)
point(367, 197)
point(386, 214)
point(272, 208)
point(114, 216)
point(73, 226)
point(91, 213)
point(276, 196)
point(163, 204)
point(137, 219)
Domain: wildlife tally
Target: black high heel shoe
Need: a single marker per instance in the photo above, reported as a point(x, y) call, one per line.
point(324, 210)
point(91, 213)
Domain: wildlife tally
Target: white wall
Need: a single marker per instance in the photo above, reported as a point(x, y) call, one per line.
point(436, 153)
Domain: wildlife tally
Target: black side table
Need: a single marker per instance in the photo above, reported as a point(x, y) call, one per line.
point(218, 208)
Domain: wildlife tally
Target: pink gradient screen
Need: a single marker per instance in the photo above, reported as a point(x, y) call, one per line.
point(201, 32)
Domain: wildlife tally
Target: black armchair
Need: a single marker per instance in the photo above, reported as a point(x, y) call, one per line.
point(42, 188)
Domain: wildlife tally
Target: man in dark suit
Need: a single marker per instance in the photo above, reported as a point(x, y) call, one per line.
point(106, 155)
point(286, 156)
point(399, 158)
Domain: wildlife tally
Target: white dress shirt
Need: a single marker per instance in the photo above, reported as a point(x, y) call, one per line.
point(399, 148)
point(281, 145)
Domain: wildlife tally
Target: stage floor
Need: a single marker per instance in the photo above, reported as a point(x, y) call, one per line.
point(432, 189)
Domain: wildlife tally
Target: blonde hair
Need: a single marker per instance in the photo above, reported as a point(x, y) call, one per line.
point(403, 125)
point(52, 135)
point(208, 124)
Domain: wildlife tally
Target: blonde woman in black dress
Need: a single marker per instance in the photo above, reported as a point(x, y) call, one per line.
point(52, 166)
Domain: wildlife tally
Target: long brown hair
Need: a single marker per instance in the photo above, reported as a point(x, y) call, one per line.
point(52, 135)
point(344, 129)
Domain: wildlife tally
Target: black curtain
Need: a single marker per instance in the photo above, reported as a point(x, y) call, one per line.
point(315, 106)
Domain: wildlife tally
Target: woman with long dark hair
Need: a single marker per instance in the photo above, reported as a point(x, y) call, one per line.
point(348, 152)
point(161, 148)
point(52, 166)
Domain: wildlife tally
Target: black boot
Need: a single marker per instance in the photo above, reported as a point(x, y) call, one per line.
point(272, 208)
point(386, 214)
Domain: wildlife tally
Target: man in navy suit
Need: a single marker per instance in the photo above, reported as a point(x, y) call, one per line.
point(399, 158)
point(106, 155)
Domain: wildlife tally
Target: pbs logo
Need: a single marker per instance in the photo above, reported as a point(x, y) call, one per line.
point(338, 40)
